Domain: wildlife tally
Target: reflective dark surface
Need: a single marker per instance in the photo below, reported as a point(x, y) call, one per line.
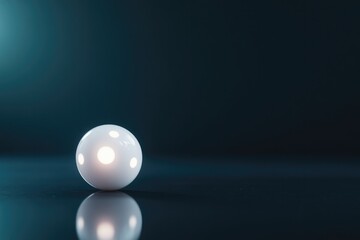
point(176, 198)
point(108, 215)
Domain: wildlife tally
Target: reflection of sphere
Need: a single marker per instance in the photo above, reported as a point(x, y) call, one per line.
point(108, 215)
point(108, 157)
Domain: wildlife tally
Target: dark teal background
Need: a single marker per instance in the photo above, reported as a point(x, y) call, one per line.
point(186, 77)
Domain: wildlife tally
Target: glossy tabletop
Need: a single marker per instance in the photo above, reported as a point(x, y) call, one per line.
point(184, 198)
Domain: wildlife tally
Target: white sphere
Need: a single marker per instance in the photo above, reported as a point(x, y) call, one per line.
point(108, 215)
point(108, 157)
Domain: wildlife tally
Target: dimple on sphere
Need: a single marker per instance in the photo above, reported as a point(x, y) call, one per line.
point(108, 157)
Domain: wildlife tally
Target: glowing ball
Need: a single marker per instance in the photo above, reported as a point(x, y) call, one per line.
point(108, 157)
